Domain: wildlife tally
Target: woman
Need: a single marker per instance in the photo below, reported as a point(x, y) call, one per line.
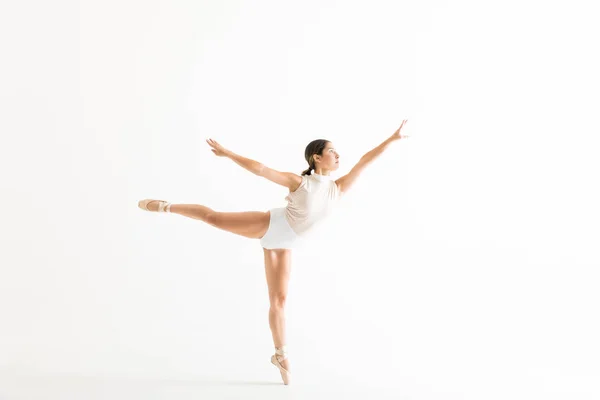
point(310, 200)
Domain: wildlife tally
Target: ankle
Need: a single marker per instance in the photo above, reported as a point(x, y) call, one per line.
point(163, 206)
point(281, 351)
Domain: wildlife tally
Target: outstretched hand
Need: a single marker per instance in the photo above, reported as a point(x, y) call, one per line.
point(397, 135)
point(219, 150)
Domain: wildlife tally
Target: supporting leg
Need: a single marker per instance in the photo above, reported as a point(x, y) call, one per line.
point(278, 268)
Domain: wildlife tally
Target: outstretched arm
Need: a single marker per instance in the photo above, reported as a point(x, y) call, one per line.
point(287, 179)
point(251, 165)
point(345, 182)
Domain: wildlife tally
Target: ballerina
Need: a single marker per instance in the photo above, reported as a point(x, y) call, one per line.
point(312, 196)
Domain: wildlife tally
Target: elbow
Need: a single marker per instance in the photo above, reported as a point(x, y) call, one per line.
point(367, 158)
point(259, 169)
point(363, 163)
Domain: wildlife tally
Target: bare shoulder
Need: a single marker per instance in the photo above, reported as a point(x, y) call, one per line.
point(296, 181)
point(339, 183)
point(345, 182)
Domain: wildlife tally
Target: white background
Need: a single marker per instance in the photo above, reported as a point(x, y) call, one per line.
point(462, 264)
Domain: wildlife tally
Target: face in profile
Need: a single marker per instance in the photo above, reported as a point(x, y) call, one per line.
point(330, 158)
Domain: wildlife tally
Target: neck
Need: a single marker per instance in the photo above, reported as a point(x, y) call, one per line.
point(321, 177)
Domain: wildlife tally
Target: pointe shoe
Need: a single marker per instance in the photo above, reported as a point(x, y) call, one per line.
point(280, 355)
point(163, 206)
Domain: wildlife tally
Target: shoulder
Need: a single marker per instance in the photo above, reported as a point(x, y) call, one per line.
point(298, 181)
point(338, 183)
point(337, 187)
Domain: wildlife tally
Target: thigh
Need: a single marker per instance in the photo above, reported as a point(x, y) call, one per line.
point(278, 263)
point(251, 224)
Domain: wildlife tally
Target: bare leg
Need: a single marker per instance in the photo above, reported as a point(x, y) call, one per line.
point(250, 224)
point(277, 268)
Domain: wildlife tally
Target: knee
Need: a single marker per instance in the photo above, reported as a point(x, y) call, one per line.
point(278, 300)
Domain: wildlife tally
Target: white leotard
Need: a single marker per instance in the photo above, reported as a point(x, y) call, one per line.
point(311, 202)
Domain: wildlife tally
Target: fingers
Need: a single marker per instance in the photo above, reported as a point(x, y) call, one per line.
point(213, 143)
point(217, 149)
point(401, 125)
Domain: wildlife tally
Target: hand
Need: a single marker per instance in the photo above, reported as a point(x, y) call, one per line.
point(219, 150)
point(396, 135)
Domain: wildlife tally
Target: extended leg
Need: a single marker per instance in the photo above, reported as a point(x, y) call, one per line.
point(250, 224)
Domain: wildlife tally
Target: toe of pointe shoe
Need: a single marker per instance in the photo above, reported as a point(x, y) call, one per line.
point(285, 374)
point(162, 204)
point(143, 204)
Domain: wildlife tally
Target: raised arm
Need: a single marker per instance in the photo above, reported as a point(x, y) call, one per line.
point(287, 179)
point(345, 182)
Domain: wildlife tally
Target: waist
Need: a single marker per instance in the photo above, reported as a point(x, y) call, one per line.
point(302, 222)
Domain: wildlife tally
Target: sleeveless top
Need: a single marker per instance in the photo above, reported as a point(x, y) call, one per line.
point(311, 202)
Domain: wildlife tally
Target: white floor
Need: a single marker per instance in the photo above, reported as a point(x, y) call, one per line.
point(31, 386)
point(72, 387)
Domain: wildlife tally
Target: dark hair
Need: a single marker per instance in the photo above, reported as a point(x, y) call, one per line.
point(315, 147)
